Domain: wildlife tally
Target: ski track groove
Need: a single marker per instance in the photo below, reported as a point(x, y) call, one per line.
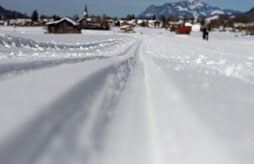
point(7, 70)
point(68, 111)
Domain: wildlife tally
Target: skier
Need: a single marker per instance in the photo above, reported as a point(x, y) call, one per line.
point(205, 33)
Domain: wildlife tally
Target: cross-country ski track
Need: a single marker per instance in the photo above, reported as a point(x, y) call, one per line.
point(156, 100)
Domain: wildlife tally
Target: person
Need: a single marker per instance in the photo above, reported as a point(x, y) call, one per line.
point(205, 33)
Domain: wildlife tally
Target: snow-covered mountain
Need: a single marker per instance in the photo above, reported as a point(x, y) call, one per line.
point(189, 8)
point(11, 14)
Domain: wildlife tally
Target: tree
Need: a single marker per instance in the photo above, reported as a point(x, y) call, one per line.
point(56, 17)
point(130, 17)
point(75, 17)
point(104, 17)
point(202, 21)
point(163, 19)
point(154, 17)
point(185, 19)
point(17, 15)
point(171, 18)
point(34, 16)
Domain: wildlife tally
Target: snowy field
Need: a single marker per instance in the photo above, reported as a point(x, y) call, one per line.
point(102, 97)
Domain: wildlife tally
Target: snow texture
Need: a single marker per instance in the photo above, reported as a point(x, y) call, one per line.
point(150, 97)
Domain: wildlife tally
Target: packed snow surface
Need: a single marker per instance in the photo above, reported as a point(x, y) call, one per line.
point(102, 97)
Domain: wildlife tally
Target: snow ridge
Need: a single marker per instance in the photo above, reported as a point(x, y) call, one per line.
point(18, 42)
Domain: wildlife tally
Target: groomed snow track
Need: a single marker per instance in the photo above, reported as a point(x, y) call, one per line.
point(90, 103)
point(153, 99)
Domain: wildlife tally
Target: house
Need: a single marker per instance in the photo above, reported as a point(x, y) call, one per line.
point(127, 28)
point(132, 22)
point(93, 23)
point(123, 23)
point(23, 22)
point(171, 26)
point(11, 22)
point(155, 23)
point(239, 27)
point(64, 25)
point(142, 23)
point(250, 28)
point(44, 21)
point(196, 28)
point(111, 22)
point(1, 22)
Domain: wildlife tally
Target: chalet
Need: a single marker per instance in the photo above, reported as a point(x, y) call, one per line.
point(44, 21)
point(250, 28)
point(111, 22)
point(93, 23)
point(142, 23)
point(171, 26)
point(132, 22)
point(155, 23)
point(10, 22)
point(239, 27)
point(127, 28)
point(23, 22)
point(64, 25)
point(123, 23)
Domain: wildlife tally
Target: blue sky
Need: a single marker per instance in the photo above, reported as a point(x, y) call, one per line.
point(110, 7)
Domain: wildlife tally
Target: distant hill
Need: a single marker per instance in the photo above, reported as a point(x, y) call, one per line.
point(11, 14)
point(189, 8)
point(245, 17)
point(250, 14)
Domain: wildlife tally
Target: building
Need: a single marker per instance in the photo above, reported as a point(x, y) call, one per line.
point(240, 27)
point(1, 22)
point(63, 26)
point(23, 22)
point(44, 21)
point(142, 23)
point(127, 28)
point(93, 23)
point(111, 22)
point(196, 28)
point(155, 23)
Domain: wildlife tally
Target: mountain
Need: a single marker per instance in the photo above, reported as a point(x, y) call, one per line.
point(245, 17)
point(189, 8)
point(10, 14)
point(250, 14)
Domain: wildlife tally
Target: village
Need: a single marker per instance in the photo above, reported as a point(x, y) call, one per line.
point(180, 25)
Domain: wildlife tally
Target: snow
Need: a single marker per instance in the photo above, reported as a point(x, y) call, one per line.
point(102, 97)
point(217, 12)
point(180, 8)
point(67, 19)
point(212, 18)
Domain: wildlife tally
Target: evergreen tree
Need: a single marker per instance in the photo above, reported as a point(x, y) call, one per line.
point(56, 17)
point(35, 16)
point(75, 17)
point(154, 17)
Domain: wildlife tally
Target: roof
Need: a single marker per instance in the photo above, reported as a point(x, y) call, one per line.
point(188, 24)
point(63, 19)
point(126, 26)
